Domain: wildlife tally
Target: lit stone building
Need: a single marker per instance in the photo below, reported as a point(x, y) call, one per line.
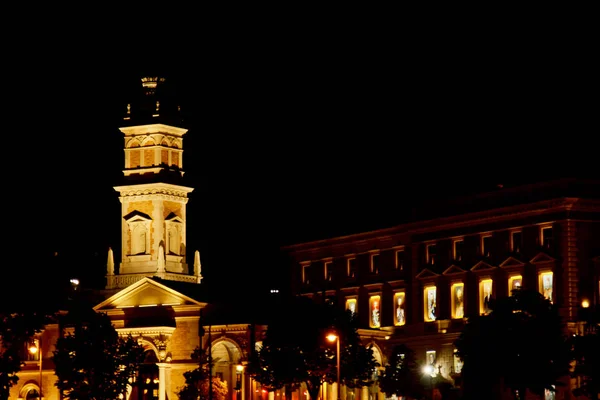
point(417, 283)
point(155, 291)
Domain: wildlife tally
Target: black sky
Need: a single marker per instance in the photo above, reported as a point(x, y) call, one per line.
point(289, 140)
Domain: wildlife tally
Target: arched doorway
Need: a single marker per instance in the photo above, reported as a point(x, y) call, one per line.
point(227, 355)
point(146, 383)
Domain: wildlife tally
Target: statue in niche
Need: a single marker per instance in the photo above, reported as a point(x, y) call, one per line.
point(459, 309)
point(375, 313)
point(431, 304)
point(400, 319)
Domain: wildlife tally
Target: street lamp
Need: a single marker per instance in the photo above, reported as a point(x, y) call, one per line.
point(238, 372)
point(428, 370)
point(36, 347)
point(333, 337)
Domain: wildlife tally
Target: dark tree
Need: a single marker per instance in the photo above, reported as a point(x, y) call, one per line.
point(16, 330)
point(401, 375)
point(295, 351)
point(197, 383)
point(92, 361)
point(586, 354)
point(520, 346)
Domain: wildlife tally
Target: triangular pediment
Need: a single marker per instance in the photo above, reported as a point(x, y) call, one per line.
point(542, 258)
point(482, 266)
point(172, 217)
point(136, 216)
point(511, 262)
point(146, 293)
point(426, 273)
point(453, 270)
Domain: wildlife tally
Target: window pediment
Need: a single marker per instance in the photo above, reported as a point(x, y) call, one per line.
point(172, 217)
point(453, 270)
point(542, 258)
point(137, 216)
point(426, 273)
point(482, 266)
point(511, 262)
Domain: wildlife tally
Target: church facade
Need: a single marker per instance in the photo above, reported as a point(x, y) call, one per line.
point(151, 291)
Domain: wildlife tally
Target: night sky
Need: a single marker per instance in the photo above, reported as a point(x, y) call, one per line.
point(287, 143)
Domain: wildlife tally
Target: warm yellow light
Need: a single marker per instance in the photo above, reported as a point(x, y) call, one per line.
point(33, 349)
point(239, 368)
point(585, 303)
point(332, 337)
point(428, 369)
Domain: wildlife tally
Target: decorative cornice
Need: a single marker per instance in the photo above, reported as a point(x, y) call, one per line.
point(153, 129)
point(174, 192)
point(452, 222)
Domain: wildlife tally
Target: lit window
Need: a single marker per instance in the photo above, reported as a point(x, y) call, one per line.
point(430, 358)
point(545, 284)
point(351, 266)
point(546, 237)
point(485, 295)
point(375, 263)
point(328, 268)
point(430, 253)
point(457, 300)
point(486, 245)
point(399, 307)
point(351, 306)
point(458, 364)
point(375, 311)
point(516, 241)
point(400, 260)
point(429, 294)
point(457, 250)
point(514, 283)
point(305, 273)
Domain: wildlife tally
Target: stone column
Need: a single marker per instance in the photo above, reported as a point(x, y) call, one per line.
point(162, 379)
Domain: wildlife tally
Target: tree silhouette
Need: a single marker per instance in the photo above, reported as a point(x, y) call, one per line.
point(92, 361)
point(16, 330)
point(401, 376)
point(520, 346)
point(295, 351)
point(197, 382)
point(586, 354)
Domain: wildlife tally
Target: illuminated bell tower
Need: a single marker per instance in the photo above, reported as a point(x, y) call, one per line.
point(153, 197)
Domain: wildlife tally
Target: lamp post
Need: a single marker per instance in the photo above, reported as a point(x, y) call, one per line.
point(428, 370)
point(36, 347)
point(333, 337)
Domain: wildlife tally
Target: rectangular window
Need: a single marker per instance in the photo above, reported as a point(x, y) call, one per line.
point(430, 253)
point(485, 295)
point(545, 285)
point(486, 245)
point(305, 273)
point(514, 283)
point(457, 250)
point(351, 265)
point(457, 301)
point(458, 364)
point(328, 270)
point(400, 260)
point(430, 359)
point(375, 263)
point(399, 307)
point(351, 306)
point(516, 241)
point(429, 303)
point(375, 311)
point(546, 237)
